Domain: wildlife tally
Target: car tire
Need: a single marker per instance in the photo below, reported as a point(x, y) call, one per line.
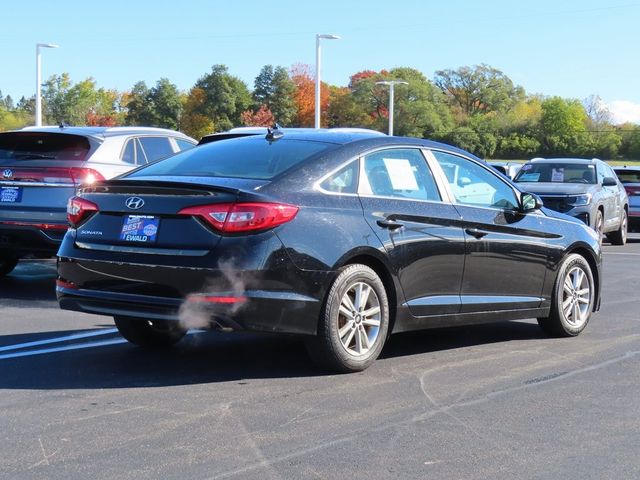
point(149, 333)
point(7, 264)
point(572, 300)
point(598, 225)
point(352, 329)
point(619, 237)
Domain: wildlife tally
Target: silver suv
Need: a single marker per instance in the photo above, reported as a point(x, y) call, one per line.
point(585, 189)
point(41, 167)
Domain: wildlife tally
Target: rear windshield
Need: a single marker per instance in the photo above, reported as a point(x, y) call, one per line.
point(557, 173)
point(628, 176)
point(38, 145)
point(249, 157)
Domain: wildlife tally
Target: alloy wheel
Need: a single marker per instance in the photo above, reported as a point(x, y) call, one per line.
point(359, 319)
point(576, 297)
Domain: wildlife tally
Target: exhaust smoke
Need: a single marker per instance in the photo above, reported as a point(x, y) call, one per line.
point(196, 310)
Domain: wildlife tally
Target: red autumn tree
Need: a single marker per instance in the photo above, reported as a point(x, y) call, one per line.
point(261, 118)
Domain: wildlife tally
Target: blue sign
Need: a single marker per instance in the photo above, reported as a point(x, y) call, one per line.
point(10, 194)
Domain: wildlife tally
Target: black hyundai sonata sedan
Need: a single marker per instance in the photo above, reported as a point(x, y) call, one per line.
point(341, 238)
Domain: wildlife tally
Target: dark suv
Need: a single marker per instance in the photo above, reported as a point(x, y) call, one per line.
point(586, 189)
point(41, 167)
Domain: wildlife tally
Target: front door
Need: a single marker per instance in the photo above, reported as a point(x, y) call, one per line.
point(506, 253)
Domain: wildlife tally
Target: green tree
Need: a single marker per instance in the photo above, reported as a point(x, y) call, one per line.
point(630, 141)
point(345, 111)
point(479, 89)
point(66, 102)
point(563, 130)
point(225, 98)
point(159, 106)
point(420, 108)
point(274, 89)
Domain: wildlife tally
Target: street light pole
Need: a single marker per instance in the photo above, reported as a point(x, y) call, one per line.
point(319, 37)
point(391, 84)
point(39, 81)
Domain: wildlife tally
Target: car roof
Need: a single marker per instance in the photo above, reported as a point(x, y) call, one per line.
point(361, 137)
point(104, 132)
point(332, 135)
point(585, 161)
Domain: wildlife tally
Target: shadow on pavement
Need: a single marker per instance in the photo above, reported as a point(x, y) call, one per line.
point(212, 357)
point(31, 280)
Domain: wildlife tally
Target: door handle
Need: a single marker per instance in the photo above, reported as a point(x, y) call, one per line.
point(390, 224)
point(474, 232)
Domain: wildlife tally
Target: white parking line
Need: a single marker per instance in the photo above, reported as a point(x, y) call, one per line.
point(64, 348)
point(75, 336)
point(101, 343)
point(622, 253)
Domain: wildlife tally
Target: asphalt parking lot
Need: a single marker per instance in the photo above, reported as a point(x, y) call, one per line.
point(497, 401)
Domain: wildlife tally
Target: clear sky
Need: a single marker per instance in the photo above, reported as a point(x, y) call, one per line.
point(571, 48)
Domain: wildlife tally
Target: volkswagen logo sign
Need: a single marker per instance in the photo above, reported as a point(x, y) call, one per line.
point(7, 173)
point(134, 203)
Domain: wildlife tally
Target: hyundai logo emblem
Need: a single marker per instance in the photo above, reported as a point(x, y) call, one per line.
point(7, 173)
point(134, 203)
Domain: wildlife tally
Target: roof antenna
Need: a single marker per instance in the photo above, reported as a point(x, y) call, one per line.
point(274, 133)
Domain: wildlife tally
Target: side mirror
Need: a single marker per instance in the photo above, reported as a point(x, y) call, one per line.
point(609, 182)
point(530, 202)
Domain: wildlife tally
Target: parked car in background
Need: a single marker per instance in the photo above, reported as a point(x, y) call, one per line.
point(508, 169)
point(585, 189)
point(630, 178)
point(41, 168)
point(340, 238)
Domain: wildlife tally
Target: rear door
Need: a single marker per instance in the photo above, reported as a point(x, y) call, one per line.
point(420, 233)
point(506, 252)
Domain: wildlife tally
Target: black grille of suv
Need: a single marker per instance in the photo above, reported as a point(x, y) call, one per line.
point(560, 204)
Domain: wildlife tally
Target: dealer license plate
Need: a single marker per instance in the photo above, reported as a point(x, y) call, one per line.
point(139, 228)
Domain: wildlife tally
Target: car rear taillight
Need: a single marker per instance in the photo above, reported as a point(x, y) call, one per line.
point(243, 217)
point(632, 190)
point(85, 176)
point(79, 209)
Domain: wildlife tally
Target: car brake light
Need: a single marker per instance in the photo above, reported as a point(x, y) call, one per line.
point(79, 209)
point(243, 217)
point(85, 176)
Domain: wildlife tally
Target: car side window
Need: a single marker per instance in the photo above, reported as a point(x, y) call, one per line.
point(129, 152)
point(401, 173)
point(183, 144)
point(156, 148)
point(344, 180)
point(473, 185)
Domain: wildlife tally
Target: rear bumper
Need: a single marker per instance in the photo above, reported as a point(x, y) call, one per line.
point(260, 310)
point(276, 296)
point(38, 239)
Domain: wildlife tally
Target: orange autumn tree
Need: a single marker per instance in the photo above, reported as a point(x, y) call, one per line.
point(304, 96)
